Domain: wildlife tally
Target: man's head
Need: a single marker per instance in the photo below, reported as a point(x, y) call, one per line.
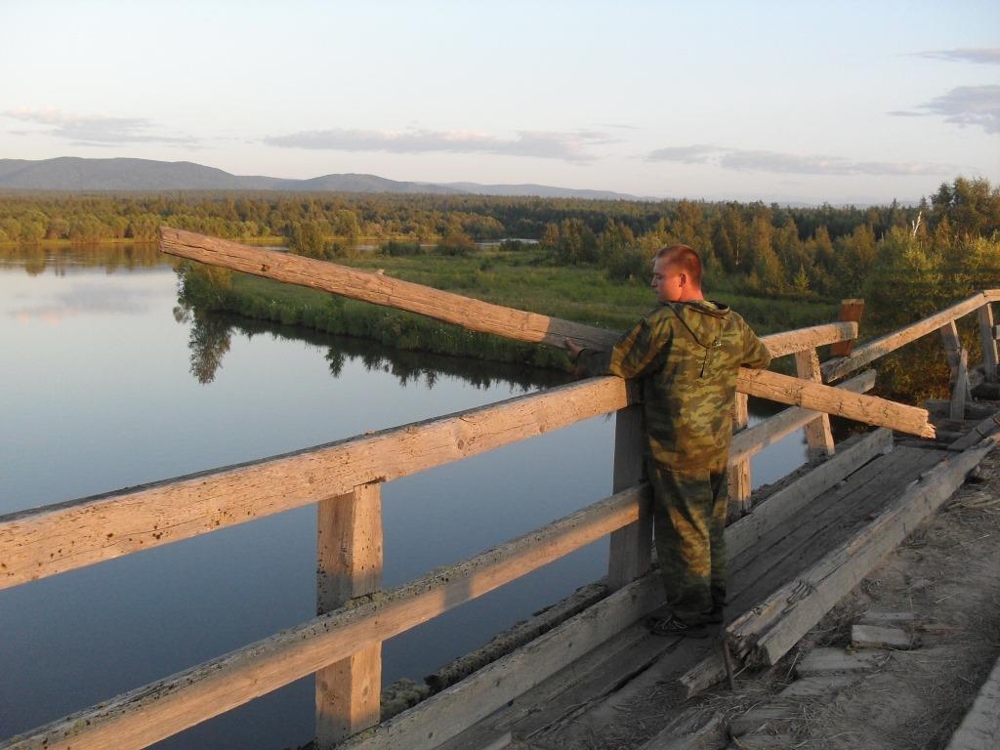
point(677, 274)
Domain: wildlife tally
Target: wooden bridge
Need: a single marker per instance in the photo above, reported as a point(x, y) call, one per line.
point(792, 556)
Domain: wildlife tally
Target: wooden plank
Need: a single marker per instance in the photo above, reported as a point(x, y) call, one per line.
point(148, 714)
point(349, 565)
point(788, 502)
point(774, 626)
point(759, 718)
point(987, 427)
point(819, 438)
point(798, 544)
point(818, 686)
point(446, 714)
point(56, 538)
point(826, 660)
point(851, 310)
point(952, 344)
point(789, 342)
point(755, 439)
point(505, 642)
point(960, 391)
point(631, 547)
point(740, 484)
point(592, 679)
point(987, 334)
point(835, 369)
point(980, 729)
point(856, 406)
point(703, 732)
point(880, 636)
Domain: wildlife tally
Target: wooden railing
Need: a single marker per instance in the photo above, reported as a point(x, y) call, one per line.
point(342, 646)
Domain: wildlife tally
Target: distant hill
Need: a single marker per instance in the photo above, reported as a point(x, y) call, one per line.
point(75, 174)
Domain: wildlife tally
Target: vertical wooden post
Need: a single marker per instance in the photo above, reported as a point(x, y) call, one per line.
point(349, 564)
point(958, 363)
point(851, 311)
point(631, 546)
point(988, 335)
point(818, 434)
point(740, 486)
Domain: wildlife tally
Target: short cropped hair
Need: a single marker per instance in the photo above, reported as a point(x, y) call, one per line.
point(685, 259)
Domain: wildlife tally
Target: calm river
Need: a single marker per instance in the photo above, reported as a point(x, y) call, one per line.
point(106, 385)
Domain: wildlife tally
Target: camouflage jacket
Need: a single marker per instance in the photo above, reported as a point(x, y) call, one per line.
point(686, 356)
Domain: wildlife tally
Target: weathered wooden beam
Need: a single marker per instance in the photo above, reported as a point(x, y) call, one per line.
point(819, 437)
point(630, 547)
point(515, 324)
point(740, 484)
point(850, 310)
point(755, 439)
point(148, 714)
point(348, 565)
point(866, 409)
point(57, 538)
point(835, 369)
point(379, 289)
point(987, 334)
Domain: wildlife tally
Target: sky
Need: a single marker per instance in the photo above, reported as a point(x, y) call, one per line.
point(838, 102)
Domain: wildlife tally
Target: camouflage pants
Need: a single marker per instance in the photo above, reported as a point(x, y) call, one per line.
point(689, 519)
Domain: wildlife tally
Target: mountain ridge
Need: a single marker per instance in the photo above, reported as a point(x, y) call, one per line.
point(124, 174)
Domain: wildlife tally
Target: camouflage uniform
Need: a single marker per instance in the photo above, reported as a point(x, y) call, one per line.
point(687, 356)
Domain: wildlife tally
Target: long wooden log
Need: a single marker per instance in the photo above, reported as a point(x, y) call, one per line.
point(515, 324)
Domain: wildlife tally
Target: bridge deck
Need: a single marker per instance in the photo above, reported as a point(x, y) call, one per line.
point(578, 703)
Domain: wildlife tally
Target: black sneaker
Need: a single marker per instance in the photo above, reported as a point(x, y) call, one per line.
point(673, 625)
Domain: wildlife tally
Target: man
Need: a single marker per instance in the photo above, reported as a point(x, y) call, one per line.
point(686, 353)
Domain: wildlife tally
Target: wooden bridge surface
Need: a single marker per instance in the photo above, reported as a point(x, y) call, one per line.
point(577, 701)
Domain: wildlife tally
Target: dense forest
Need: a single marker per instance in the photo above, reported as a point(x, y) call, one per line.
point(906, 261)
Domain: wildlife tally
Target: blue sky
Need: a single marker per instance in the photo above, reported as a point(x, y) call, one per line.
point(846, 102)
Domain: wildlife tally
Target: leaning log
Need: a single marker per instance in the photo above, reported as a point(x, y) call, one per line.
point(517, 325)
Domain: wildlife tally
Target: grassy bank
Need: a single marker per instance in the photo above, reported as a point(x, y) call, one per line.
point(523, 280)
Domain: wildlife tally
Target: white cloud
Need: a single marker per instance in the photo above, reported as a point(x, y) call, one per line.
point(969, 105)
point(985, 55)
point(774, 162)
point(572, 146)
point(697, 154)
point(94, 130)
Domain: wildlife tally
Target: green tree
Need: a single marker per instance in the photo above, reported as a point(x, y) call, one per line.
point(307, 239)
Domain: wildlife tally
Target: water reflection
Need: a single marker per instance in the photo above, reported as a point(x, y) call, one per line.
point(211, 338)
point(128, 256)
